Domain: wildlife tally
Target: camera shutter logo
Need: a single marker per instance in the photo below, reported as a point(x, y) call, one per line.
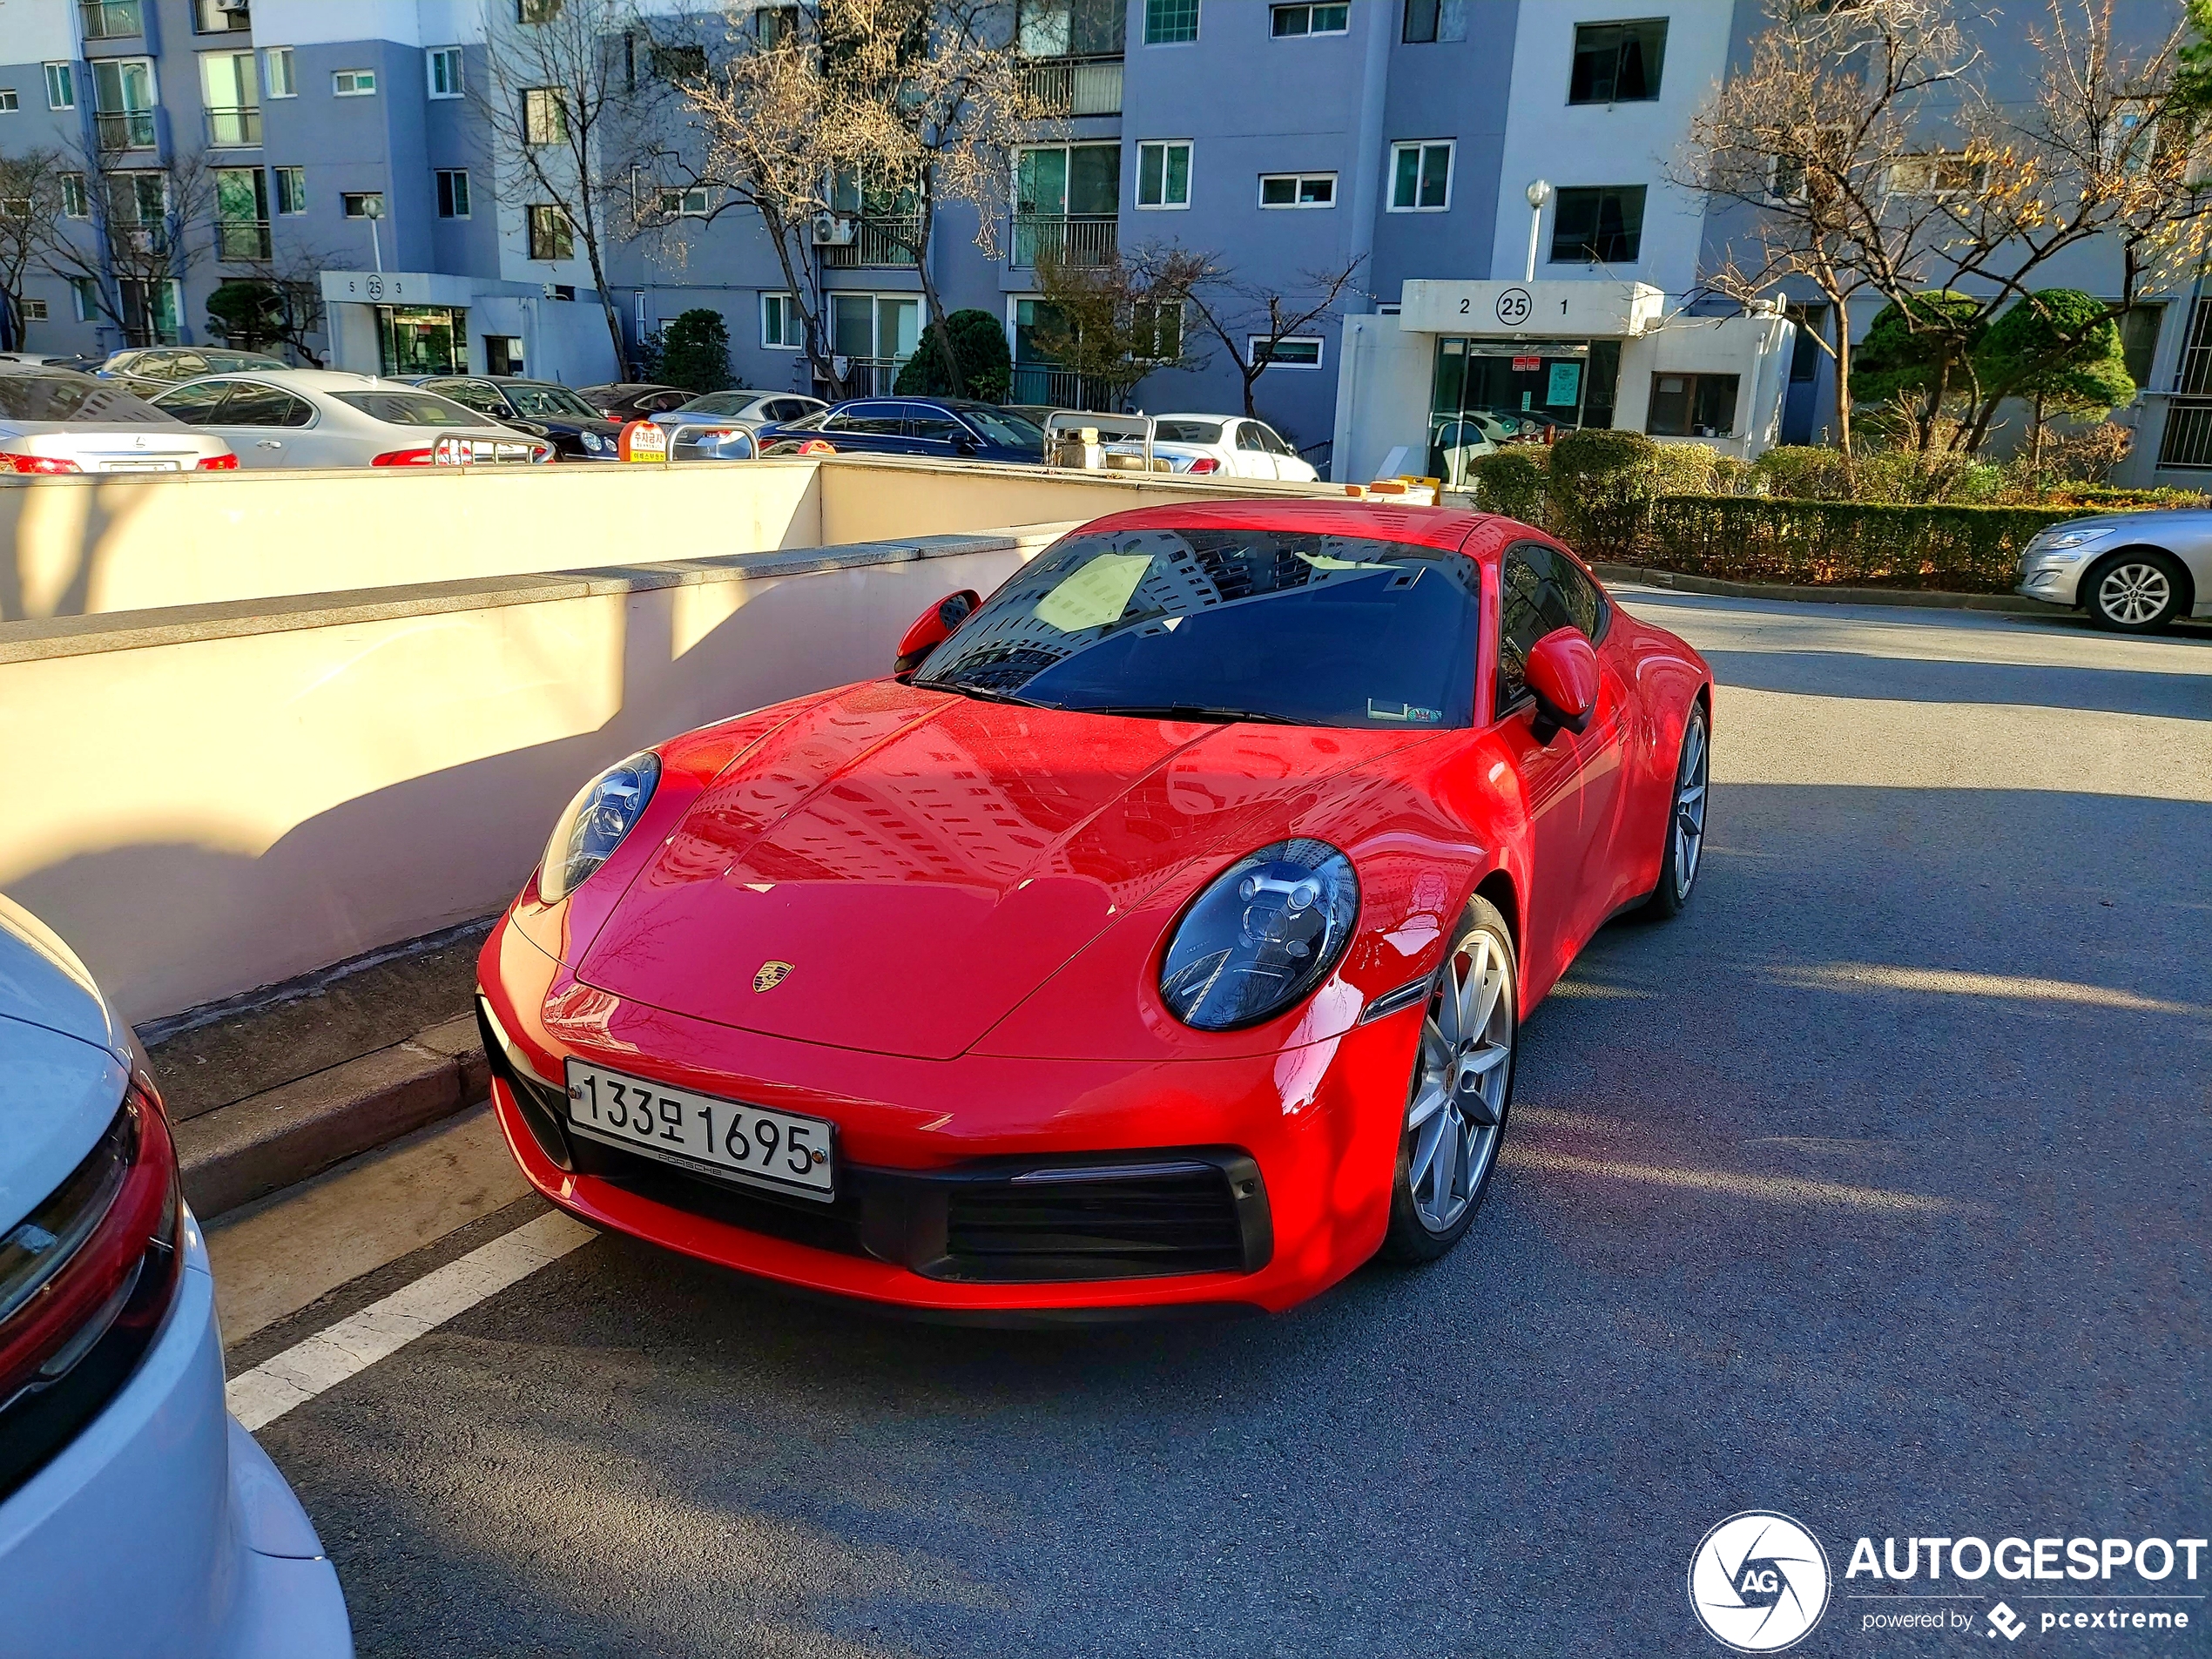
point(1758, 1582)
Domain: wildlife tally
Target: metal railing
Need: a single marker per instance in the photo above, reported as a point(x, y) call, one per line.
point(1061, 388)
point(234, 129)
point(1075, 85)
point(876, 242)
point(149, 240)
point(112, 19)
point(242, 239)
point(2187, 440)
point(124, 130)
point(1065, 238)
point(871, 376)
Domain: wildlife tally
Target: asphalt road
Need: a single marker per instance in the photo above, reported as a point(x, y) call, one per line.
point(1872, 1191)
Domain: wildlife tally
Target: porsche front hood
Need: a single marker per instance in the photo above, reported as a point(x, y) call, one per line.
point(895, 869)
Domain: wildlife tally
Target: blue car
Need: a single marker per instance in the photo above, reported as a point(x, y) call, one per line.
point(945, 428)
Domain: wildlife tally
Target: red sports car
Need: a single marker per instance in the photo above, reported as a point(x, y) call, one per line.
point(1155, 938)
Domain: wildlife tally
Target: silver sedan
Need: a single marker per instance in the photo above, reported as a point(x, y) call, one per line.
point(2132, 572)
point(58, 421)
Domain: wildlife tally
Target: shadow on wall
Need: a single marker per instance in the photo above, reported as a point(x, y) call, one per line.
point(49, 570)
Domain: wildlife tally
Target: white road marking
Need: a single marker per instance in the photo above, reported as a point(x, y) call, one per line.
point(329, 1357)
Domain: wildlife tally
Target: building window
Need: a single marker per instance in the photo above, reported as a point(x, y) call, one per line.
point(9, 104)
point(61, 86)
point(444, 64)
point(85, 291)
point(503, 354)
point(689, 203)
point(772, 26)
point(1421, 177)
point(111, 19)
point(535, 11)
point(1164, 173)
point(1167, 22)
point(780, 329)
point(363, 203)
point(2139, 327)
point(1617, 63)
point(1298, 190)
point(34, 310)
point(551, 235)
point(220, 16)
point(1603, 225)
point(277, 72)
point(291, 188)
point(1692, 406)
point(1282, 354)
point(353, 83)
point(545, 118)
point(1427, 21)
point(232, 95)
point(1805, 354)
point(1935, 176)
point(74, 203)
point(453, 192)
point(1287, 23)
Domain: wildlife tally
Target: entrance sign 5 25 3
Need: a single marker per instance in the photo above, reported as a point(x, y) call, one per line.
point(1514, 307)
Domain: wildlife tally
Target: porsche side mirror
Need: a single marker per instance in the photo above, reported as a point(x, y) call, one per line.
point(1563, 674)
point(933, 627)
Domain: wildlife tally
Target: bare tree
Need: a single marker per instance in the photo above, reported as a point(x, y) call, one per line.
point(141, 220)
point(30, 208)
point(1112, 324)
point(1252, 319)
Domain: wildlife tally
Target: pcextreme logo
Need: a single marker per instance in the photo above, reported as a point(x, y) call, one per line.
point(1759, 1582)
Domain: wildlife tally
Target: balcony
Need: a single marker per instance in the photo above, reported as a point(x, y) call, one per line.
point(242, 240)
point(234, 129)
point(144, 241)
point(112, 19)
point(1067, 86)
point(876, 243)
point(1065, 238)
point(124, 130)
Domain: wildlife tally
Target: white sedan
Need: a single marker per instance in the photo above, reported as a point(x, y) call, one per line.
point(312, 417)
point(1235, 445)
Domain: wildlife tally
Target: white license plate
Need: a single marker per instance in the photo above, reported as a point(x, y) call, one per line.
point(736, 1142)
point(143, 465)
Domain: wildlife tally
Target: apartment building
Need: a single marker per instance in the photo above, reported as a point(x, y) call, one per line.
point(335, 146)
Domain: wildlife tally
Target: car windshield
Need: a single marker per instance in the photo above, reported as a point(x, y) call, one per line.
point(1280, 625)
point(715, 403)
point(1009, 429)
point(78, 399)
point(555, 402)
point(230, 362)
point(411, 408)
point(1187, 432)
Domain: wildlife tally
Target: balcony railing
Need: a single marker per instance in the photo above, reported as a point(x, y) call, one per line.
point(1075, 86)
point(876, 243)
point(125, 129)
point(871, 376)
point(2187, 440)
point(1062, 389)
point(1065, 238)
point(235, 129)
point(112, 19)
point(147, 241)
point(242, 240)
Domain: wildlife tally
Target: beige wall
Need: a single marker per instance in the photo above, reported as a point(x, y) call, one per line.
point(88, 546)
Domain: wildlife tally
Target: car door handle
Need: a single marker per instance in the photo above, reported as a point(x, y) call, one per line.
point(270, 443)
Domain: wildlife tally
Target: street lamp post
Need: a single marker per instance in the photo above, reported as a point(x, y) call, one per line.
point(372, 209)
point(1538, 193)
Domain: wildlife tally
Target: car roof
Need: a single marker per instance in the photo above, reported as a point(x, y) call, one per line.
point(630, 388)
point(314, 380)
point(1448, 528)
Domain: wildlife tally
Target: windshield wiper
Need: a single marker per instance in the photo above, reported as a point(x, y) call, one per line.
point(1188, 712)
point(983, 694)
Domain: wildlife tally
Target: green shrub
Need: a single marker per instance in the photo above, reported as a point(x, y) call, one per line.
point(1733, 475)
point(2110, 499)
point(1802, 470)
point(1511, 482)
point(986, 365)
point(1601, 486)
point(693, 352)
point(1684, 469)
point(1875, 544)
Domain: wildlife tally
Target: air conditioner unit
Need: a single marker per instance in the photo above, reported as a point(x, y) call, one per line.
point(831, 230)
point(233, 5)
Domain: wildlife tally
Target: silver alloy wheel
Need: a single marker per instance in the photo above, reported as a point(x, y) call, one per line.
point(1688, 828)
point(1459, 1084)
point(2134, 594)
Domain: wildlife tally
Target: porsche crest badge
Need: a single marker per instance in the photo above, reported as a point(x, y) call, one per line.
point(771, 975)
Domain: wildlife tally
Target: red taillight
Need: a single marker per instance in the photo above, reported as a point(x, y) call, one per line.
point(1205, 463)
point(403, 458)
point(38, 463)
point(217, 463)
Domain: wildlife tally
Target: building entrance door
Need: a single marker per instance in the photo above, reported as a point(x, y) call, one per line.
point(1491, 393)
point(422, 339)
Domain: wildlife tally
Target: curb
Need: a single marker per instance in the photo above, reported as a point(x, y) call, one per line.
point(270, 1140)
point(1925, 597)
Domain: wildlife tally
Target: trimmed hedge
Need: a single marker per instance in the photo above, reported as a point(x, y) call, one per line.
point(1511, 482)
point(1864, 544)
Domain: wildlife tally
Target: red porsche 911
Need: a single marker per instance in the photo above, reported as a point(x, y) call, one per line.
point(1155, 938)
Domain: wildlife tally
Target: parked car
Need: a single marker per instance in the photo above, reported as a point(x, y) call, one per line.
point(543, 409)
point(136, 1516)
point(50, 360)
point(628, 401)
point(59, 421)
point(946, 428)
point(1214, 830)
point(2132, 572)
point(736, 411)
point(309, 417)
point(148, 369)
point(1231, 444)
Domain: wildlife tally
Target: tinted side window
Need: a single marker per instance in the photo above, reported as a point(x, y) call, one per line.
point(1540, 592)
point(1248, 437)
point(195, 404)
point(1270, 440)
point(933, 424)
point(881, 419)
point(249, 404)
point(470, 394)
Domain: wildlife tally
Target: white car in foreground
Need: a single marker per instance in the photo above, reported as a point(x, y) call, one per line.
point(321, 417)
point(1234, 445)
point(137, 1521)
point(55, 421)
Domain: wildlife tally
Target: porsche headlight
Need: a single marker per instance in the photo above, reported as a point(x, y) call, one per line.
point(592, 827)
point(1262, 935)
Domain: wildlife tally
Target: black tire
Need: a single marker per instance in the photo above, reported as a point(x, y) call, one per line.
point(1422, 1229)
point(2136, 591)
point(1693, 770)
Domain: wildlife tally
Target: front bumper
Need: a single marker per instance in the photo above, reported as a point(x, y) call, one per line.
point(163, 1529)
point(2052, 582)
point(1302, 1145)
